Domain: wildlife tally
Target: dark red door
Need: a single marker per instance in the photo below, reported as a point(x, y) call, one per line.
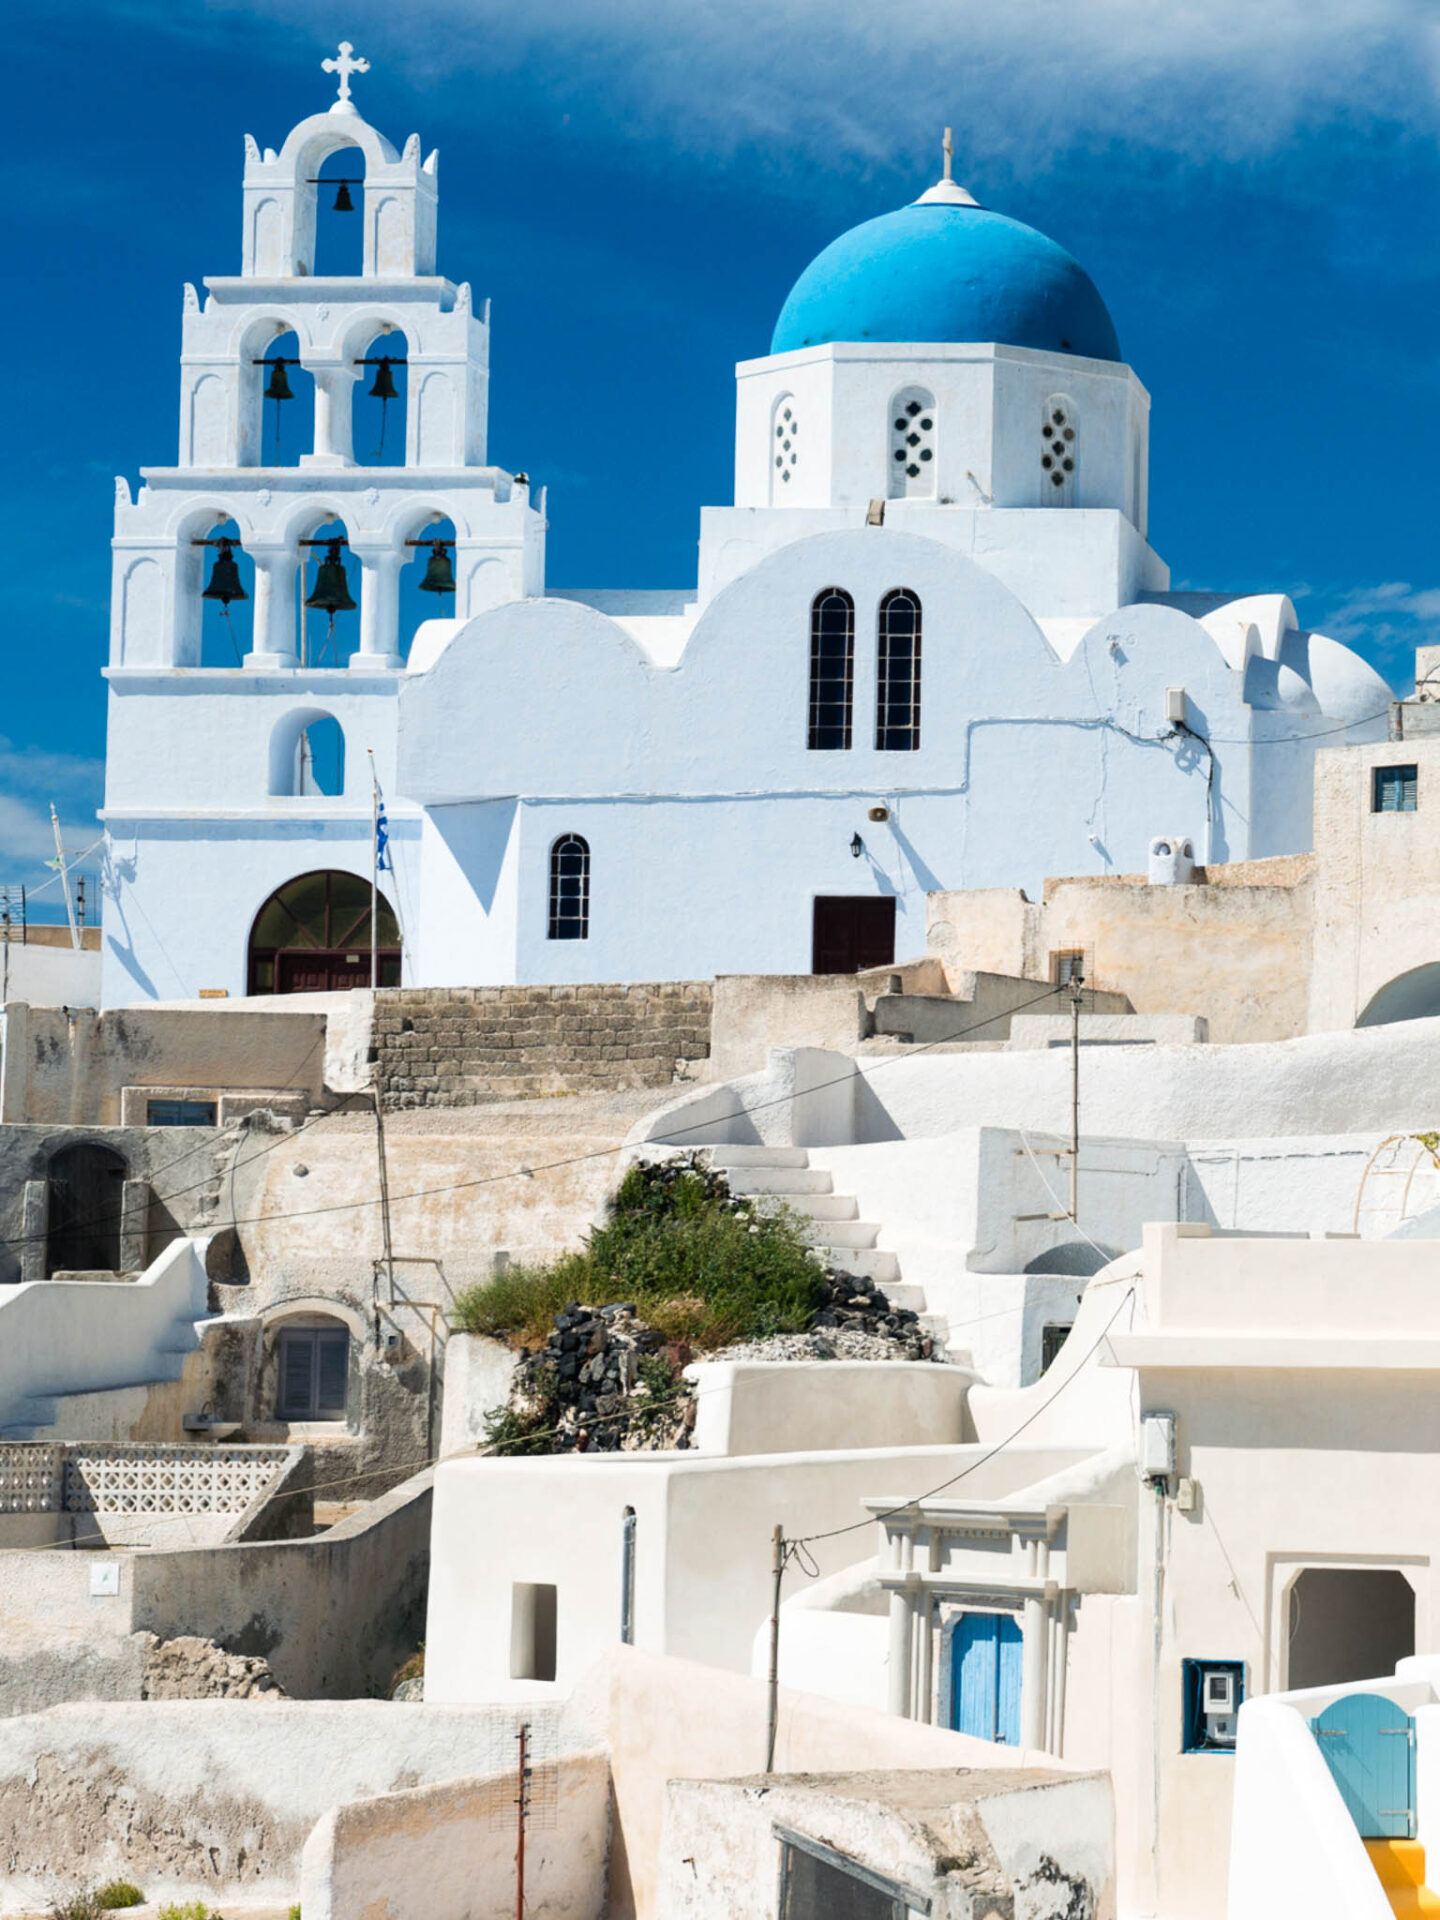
point(853, 931)
point(301, 972)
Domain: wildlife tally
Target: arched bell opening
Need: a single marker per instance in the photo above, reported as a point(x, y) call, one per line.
point(313, 936)
point(222, 579)
point(339, 186)
point(307, 755)
point(379, 409)
point(427, 580)
point(328, 586)
point(287, 400)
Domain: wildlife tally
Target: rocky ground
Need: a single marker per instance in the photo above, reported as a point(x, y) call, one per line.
point(604, 1381)
point(188, 1668)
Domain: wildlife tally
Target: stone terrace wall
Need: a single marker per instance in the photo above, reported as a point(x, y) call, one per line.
point(463, 1046)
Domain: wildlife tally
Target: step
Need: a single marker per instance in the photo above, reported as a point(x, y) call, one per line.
point(757, 1156)
point(865, 1263)
point(1400, 1866)
point(841, 1233)
point(781, 1180)
point(821, 1206)
point(904, 1293)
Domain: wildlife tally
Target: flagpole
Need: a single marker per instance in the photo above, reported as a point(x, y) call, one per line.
point(374, 872)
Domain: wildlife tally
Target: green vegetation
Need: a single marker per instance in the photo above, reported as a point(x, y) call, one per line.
point(191, 1910)
point(698, 1264)
point(82, 1904)
point(413, 1669)
point(119, 1893)
point(295, 1911)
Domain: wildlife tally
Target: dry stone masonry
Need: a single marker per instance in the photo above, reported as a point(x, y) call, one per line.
point(464, 1046)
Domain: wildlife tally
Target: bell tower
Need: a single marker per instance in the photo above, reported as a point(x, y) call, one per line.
point(229, 365)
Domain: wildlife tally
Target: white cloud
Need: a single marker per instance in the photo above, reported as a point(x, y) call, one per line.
point(836, 82)
point(1385, 621)
point(30, 778)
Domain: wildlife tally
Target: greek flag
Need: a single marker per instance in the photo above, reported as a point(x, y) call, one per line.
point(382, 834)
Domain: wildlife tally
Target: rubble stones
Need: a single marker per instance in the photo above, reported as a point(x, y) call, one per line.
point(189, 1668)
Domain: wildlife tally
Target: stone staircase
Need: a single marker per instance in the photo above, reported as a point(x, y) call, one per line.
point(835, 1227)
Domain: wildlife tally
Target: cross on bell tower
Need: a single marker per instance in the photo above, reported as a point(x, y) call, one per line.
point(344, 64)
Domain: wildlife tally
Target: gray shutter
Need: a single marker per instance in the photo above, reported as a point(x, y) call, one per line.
point(334, 1353)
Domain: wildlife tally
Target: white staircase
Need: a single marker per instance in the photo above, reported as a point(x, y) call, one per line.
point(834, 1226)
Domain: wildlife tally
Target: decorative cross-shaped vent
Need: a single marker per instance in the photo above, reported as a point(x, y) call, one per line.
point(1059, 449)
point(912, 444)
point(787, 451)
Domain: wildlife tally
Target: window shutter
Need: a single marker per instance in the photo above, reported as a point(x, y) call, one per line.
point(334, 1365)
point(297, 1357)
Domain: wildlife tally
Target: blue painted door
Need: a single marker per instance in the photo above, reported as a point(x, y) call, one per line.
point(1369, 1745)
point(985, 1668)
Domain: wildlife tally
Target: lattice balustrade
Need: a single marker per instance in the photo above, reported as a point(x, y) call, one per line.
point(175, 1479)
point(31, 1477)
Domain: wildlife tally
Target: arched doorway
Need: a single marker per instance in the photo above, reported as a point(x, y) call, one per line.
point(87, 1196)
point(313, 935)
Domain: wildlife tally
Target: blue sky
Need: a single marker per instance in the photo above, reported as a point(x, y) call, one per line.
point(635, 184)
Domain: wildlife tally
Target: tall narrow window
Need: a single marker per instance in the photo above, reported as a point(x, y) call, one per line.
point(832, 669)
point(912, 444)
point(570, 888)
point(897, 694)
point(784, 446)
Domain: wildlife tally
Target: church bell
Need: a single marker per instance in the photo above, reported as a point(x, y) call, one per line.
point(343, 202)
point(278, 387)
point(384, 387)
point(332, 589)
point(225, 582)
point(439, 574)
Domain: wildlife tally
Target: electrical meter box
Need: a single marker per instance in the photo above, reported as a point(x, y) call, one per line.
point(1213, 1691)
point(1219, 1704)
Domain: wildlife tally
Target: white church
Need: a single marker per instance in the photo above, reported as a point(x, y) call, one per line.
point(929, 645)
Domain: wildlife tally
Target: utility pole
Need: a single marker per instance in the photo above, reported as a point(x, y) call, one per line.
point(522, 1796)
point(1076, 985)
point(777, 1570)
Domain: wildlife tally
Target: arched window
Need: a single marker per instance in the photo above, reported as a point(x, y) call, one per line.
point(340, 214)
point(331, 579)
point(784, 447)
point(286, 397)
point(313, 1355)
point(832, 669)
point(570, 888)
point(313, 936)
point(912, 444)
point(1059, 451)
point(380, 400)
point(897, 686)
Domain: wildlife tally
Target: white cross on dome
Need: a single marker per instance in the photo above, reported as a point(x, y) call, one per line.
point(344, 65)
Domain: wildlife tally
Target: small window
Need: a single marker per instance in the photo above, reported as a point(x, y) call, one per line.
point(314, 1365)
point(1395, 790)
point(1052, 1339)
point(570, 888)
point(179, 1113)
point(832, 670)
point(532, 1631)
point(897, 696)
point(819, 1883)
point(1065, 964)
point(1212, 1691)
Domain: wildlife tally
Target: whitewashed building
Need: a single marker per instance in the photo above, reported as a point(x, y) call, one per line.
point(929, 646)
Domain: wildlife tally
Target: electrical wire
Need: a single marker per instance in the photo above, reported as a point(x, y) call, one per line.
point(834, 1533)
point(545, 1166)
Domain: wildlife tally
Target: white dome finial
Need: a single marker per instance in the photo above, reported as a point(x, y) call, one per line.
point(945, 192)
point(344, 65)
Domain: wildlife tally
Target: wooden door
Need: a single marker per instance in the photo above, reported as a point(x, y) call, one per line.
point(852, 931)
point(986, 1660)
point(1369, 1746)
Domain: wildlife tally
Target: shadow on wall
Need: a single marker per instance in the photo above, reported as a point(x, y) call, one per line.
point(1412, 996)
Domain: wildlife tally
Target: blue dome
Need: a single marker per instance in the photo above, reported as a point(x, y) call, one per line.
point(946, 272)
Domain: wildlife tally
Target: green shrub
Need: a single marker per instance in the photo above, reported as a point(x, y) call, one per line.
point(119, 1893)
point(191, 1910)
point(699, 1265)
point(295, 1911)
point(81, 1904)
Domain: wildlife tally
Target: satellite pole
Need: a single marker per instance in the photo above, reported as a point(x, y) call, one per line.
point(1076, 984)
point(64, 879)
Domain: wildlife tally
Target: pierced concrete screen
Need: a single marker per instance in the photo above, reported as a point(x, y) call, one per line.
point(532, 1631)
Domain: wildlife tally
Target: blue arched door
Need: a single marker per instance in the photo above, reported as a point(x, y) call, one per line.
point(985, 1668)
point(1369, 1746)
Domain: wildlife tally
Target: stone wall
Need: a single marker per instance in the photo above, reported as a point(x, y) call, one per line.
point(463, 1046)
